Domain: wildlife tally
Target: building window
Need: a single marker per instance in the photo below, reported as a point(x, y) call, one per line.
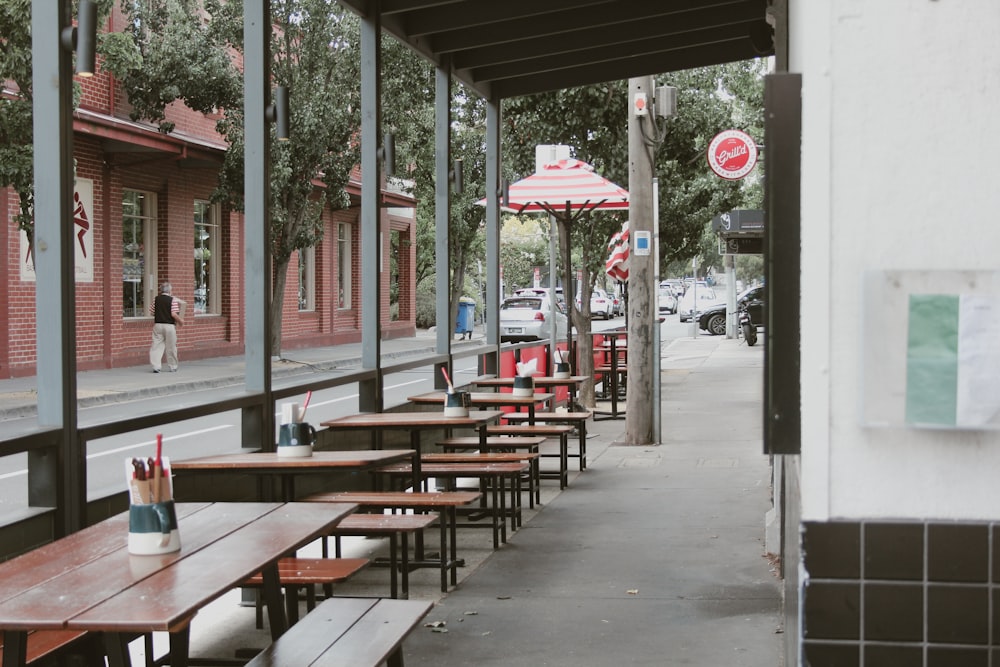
point(307, 279)
point(206, 258)
point(138, 252)
point(344, 265)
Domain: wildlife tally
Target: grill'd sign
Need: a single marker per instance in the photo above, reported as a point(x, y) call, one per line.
point(732, 154)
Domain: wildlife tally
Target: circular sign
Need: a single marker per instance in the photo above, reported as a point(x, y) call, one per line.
point(732, 154)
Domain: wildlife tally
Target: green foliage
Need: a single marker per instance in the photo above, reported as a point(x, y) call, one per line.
point(168, 53)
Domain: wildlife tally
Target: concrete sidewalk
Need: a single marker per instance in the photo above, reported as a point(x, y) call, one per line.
point(654, 555)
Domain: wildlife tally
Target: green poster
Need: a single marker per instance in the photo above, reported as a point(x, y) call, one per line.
point(932, 359)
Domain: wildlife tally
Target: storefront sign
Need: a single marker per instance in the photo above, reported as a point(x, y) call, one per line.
point(82, 236)
point(732, 154)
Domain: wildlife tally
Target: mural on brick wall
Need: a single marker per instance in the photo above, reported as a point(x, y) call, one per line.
point(83, 235)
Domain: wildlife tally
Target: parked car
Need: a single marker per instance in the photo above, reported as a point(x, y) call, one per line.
point(618, 302)
point(706, 296)
point(529, 317)
point(713, 320)
point(541, 291)
point(666, 300)
point(601, 304)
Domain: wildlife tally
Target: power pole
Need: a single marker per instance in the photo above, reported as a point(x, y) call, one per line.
point(642, 305)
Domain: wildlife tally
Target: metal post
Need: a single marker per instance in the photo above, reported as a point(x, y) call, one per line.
point(370, 391)
point(258, 420)
point(56, 476)
point(491, 361)
point(442, 210)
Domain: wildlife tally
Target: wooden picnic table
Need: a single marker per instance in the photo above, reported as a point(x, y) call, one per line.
point(88, 581)
point(288, 467)
point(414, 422)
point(572, 383)
point(488, 399)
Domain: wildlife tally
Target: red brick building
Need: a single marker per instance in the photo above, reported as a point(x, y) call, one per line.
point(143, 217)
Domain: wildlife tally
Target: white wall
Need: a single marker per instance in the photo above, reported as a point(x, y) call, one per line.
point(900, 171)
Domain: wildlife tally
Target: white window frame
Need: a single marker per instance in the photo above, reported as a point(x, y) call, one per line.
point(307, 279)
point(344, 264)
point(211, 244)
point(147, 252)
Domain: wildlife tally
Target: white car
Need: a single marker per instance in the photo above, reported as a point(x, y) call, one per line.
point(667, 300)
point(529, 317)
point(601, 305)
point(706, 297)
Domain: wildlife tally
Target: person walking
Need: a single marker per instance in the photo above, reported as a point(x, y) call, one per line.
point(165, 310)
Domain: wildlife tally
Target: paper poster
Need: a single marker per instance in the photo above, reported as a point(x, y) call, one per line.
point(82, 235)
point(952, 361)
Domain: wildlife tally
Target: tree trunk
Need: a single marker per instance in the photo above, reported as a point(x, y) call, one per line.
point(579, 319)
point(278, 283)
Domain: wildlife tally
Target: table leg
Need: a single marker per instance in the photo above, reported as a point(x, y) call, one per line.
point(15, 648)
point(272, 599)
point(116, 648)
point(180, 647)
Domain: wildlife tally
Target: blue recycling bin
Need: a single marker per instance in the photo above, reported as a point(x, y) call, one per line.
point(466, 317)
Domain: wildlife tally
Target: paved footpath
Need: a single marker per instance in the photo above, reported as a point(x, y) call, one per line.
point(653, 556)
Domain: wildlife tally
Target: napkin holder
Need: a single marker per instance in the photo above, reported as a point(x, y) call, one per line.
point(457, 404)
point(296, 440)
point(524, 385)
point(562, 370)
point(152, 529)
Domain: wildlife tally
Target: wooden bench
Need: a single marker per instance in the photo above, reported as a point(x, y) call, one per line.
point(577, 419)
point(531, 458)
point(396, 527)
point(560, 431)
point(500, 443)
point(358, 632)
point(44, 643)
point(445, 503)
point(296, 573)
point(491, 476)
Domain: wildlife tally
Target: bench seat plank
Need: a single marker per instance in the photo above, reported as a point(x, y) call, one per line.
point(347, 631)
point(560, 431)
point(42, 643)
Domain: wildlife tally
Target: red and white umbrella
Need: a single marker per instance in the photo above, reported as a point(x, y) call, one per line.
point(565, 188)
point(618, 252)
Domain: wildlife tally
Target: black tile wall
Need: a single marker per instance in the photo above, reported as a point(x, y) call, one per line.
point(819, 654)
point(833, 550)
point(833, 610)
point(894, 612)
point(957, 615)
point(894, 551)
point(943, 656)
point(958, 552)
point(901, 594)
point(896, 656)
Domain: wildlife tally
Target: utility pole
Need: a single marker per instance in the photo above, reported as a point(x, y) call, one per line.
point(642, 305)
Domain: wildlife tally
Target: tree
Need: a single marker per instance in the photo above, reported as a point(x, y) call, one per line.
point(16, 133)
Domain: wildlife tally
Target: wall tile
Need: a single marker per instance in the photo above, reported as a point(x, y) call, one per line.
point(832, 550)
point(958, 552)
point(832, 611)
point(894, 612)
point(957, 615)
point(894, 551)
point(896, 656)
point(941, 656)
point(818, 654)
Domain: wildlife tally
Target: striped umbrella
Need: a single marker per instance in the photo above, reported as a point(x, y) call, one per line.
point(566, 189)
point(618, 252)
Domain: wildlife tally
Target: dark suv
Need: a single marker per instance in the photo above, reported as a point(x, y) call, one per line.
point(713, 320)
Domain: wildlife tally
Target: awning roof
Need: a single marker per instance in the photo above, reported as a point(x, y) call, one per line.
point(520, 47)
